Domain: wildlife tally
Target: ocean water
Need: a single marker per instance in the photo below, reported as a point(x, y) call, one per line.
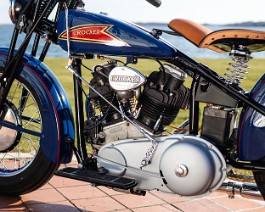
point(179, 42)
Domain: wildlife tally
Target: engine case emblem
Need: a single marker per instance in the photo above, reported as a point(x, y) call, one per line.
point(124, 78)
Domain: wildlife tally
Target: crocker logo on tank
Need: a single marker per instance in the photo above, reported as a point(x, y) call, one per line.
point(93, 33)
point(122, 78)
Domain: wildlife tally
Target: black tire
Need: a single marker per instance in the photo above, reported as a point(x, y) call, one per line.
point(259, 177)
point(35, 176)
point(20, 175)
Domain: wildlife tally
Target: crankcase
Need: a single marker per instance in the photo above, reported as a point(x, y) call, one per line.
point(184, 165)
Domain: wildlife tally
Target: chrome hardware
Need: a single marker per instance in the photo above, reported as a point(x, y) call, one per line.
point(67, 28)
point(238, 70)
point(181, 170)
point(150, 152)
point(80, 6)
point(15, 8)
point(246, 190)
point(22, 23)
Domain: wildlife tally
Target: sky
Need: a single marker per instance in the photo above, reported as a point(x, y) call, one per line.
point(200, 11)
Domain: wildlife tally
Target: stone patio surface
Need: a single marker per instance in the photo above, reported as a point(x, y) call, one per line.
point(67, 195)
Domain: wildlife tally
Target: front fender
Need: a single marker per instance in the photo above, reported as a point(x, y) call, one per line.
point(58, 137)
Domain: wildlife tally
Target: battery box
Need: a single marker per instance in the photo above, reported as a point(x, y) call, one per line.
point(218, 124)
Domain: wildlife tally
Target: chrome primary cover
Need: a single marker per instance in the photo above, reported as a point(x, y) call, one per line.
point(197, 167)
point(184, 165)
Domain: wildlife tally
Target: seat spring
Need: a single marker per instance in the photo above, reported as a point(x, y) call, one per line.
point(238, 70)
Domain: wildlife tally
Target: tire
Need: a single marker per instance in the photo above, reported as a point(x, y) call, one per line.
point(23, 165)
point(259, 177)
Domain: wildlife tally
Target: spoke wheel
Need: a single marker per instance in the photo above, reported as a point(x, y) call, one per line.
point(23, 166)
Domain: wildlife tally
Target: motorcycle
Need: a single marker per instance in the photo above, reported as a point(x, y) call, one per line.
point(118, 134)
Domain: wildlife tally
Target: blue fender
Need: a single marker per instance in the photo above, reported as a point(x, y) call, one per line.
point(57, 118)
point(251, 131)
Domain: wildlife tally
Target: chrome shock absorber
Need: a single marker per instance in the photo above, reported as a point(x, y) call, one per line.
point(239, 66)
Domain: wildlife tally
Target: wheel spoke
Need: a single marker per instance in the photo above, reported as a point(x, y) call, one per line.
point(21, 128)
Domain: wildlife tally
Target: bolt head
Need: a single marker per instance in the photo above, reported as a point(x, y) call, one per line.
point(181, 170)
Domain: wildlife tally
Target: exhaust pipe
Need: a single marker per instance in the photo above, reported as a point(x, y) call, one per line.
point(246, 190)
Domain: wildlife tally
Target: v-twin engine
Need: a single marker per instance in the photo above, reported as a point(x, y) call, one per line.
point(152, 102)
point(184, 165)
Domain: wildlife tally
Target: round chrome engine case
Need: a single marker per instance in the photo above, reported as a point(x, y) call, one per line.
point(193, 167)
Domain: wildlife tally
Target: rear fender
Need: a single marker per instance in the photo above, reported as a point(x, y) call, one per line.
point(58, 135)
point(251, 131)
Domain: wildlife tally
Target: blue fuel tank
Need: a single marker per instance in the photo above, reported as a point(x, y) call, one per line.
point(99, 34)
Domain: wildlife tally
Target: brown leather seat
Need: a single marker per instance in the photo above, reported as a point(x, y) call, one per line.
point(220, 40)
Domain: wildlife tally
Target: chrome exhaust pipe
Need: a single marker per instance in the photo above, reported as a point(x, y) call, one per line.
point(246, 190)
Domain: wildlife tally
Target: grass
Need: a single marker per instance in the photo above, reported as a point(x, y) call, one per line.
point(147, 66)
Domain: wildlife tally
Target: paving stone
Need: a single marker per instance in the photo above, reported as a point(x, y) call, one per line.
point(43, 196)
point(159, 208)
point(133, 201)
point(61, 182)
point(7, 200)
point(200, 205)
point(100, 204)
point(170, 198)
point(238, 203)
point(81, 192)
point(64, 206)
point(110, 191)
point(11, 204)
